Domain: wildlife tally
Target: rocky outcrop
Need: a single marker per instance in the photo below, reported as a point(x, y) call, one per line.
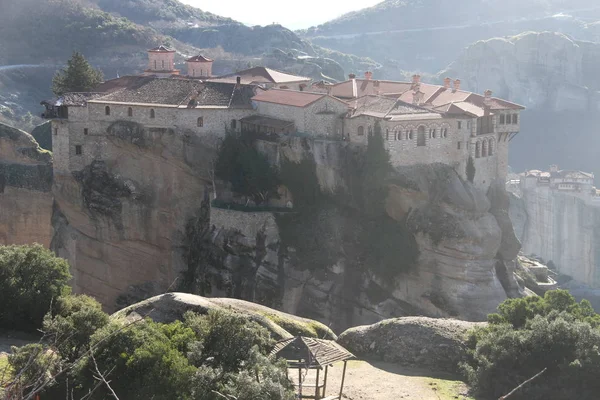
point(25, 189)
point(539, 70)
point(561, 228)
point(434, 344)
point(140, 221)
point(171, 307)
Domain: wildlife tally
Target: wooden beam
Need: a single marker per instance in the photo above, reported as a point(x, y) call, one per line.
point(343, 377)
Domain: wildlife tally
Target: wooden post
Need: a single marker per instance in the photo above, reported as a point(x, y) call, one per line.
point(343, 377)
point(317, 397)
point(325, 382)
point(299, 379)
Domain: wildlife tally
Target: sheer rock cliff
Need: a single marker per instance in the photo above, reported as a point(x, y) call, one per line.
point(25, 189)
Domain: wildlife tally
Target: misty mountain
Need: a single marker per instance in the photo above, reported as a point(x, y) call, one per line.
point(427, 35)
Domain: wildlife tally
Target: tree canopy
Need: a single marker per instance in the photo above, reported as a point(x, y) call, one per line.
point(78, 76)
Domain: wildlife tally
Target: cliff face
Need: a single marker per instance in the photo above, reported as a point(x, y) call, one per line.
point(25, 189)
point(138, 220)
point(538, 70)
point(560, 228)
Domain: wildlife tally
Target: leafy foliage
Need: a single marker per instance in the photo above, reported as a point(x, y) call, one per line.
point(31, 277)
point(248, 170)
point(530, 334)
point(73, 322)
point(78, 76)
point(34, 362)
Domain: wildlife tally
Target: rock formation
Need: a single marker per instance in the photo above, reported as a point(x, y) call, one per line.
point(25, 189)
point(171, 307)
point(560, 228)
point(539, 70)
point(435, 344)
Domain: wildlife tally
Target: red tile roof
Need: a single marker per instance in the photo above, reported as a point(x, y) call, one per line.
point(199, 58)
point(289, 97)
point(161, 49)
point(259, 75)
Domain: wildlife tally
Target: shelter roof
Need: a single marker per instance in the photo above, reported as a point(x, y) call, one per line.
point(571, 174)
point(383, 106)
point(72, 99)
point(258, 75)
point(315, 353)
point(178, 91)
point(267, 121)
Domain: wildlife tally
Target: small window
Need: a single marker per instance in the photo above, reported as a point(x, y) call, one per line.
point(107, 110)
point(152, 113)
point(233, 124)
point(163, 65)
point(361, 131)
point(421, 136)
point(78, 150)
point(200, 122)
point(459, 124)
point(155, 64)
point(85, 131)
point(411, 135)
point(515, 119)
point(387, 134)
point(458, 146)
point(55, 131)
point(130, 112)
point(502, 119)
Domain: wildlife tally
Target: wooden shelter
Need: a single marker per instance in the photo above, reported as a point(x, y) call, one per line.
point(303, 353)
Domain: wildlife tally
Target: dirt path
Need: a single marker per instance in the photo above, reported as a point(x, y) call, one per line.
point(384, 381)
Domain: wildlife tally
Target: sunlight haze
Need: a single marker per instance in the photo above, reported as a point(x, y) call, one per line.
point(263, 12)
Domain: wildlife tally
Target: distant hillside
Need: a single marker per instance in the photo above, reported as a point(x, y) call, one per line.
point(165, 13)
point(427, 35)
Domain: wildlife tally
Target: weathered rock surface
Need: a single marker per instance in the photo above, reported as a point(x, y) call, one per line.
point(25, 189)
point(561, 228)
point(435, 344)
point(170, 307)
point(539, 70)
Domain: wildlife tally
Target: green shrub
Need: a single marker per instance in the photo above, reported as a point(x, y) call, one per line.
point(74, 320)
point(530, 334)
point(33, 365)
point(31, 277)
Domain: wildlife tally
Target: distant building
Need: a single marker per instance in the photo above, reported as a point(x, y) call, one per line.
point(575, 183)
point(421, 123)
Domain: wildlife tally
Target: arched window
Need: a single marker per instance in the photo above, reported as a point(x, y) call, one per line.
point(233, 124)
point(387, 134)
point(445, 133)
point(361, 131)
point(163, 65)
point(130, 112)
point(484, 149)
point(152, 114)
point(411, 135)
point(155, 64)
point(491, 147)
point(200, 122)
point(421, 136)
point(502, 118)
point(107, 110)
point(434, 133)
point(477, 149)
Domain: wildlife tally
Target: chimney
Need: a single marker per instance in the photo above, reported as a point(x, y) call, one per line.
point(238, 80)
point(368, 75)
point(351, 76)
point(417, 97)
point(447, 83)
point(457, 85)
point(487, 101)
point(554, 168)
point(376, 87)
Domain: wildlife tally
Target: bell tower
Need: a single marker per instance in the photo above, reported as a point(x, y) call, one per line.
point(161, 62)
point(199, 67)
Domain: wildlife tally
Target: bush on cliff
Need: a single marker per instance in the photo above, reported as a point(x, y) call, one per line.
point(31, 277)
point(530, 334)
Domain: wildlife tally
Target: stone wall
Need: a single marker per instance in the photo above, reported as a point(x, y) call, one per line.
point(248, 224)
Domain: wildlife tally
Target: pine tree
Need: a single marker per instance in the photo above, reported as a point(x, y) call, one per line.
point(78, 76)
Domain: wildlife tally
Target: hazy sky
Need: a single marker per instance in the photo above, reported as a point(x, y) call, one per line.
point(295, 14)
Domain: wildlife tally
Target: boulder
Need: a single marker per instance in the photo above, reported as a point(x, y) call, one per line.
point(171, 307)
point(435, 344)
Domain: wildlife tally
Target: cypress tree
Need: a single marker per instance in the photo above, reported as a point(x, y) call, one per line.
point(78, 76)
